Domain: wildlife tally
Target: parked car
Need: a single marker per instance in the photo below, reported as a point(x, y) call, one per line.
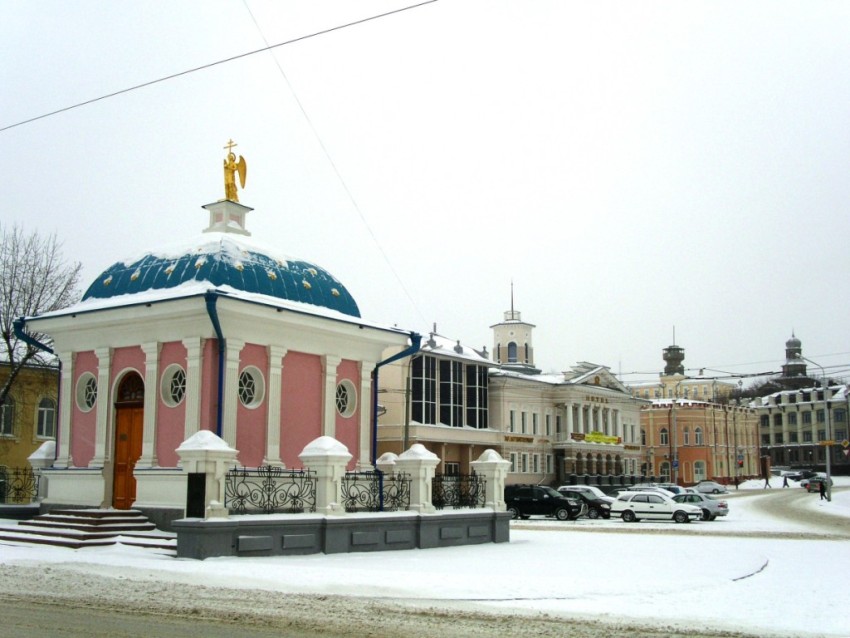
point(589, 489)
point(523, 501)
point(813, 484)
point(634, 506)
point(672, 488)
point(648, 487)
point(710, 487)
point(711, 507)
point(596, 507)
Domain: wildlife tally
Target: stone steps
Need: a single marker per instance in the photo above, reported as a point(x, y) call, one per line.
point(76, 529)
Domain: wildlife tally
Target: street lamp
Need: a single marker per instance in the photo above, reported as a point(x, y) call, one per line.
point(828, 445)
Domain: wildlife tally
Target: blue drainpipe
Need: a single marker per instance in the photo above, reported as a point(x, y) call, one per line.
point(211, 296)
point(18, 326)
point(415, 342)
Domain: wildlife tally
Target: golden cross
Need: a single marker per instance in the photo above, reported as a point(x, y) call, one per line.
point(229, 146)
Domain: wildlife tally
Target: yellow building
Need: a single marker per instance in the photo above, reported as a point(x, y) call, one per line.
point(27, 418)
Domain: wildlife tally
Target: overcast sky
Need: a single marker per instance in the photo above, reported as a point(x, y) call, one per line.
point(631, 167)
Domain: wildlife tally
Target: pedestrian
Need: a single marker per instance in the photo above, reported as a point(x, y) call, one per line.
point(766, 482)
point(822, 489)
point(784, 480)
point(736, 482)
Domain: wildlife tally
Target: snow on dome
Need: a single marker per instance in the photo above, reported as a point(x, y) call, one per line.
point(204, 440)
point(225, 259)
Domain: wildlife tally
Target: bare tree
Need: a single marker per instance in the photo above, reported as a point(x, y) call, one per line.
point(34, 278)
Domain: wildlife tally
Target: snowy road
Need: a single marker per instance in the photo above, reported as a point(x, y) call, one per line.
point(738, 576)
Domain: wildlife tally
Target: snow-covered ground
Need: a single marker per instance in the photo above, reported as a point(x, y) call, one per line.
point(746, 573)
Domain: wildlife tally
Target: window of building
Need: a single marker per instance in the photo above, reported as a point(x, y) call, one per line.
point(46, 425)
point(643, 437)
point(765, 420)
point(807, 418)
point(779, 437)
point(524, 461)
point(807, 436)
point(792, 437)
point(821, 435)
point(86, 392)
point(686, 437)
point(840, 435)
point(535, 463)
point(173, 385)
point(451, 469)
point(558, 423)
point(765, 439)
point(548, 424)
point(699, 471)
point(476, 396)
point(252, 387)
point(698, 437)
point(7, 417)
point(550, 464)
point(512, 357)
point(451, 392)
point(423, 389)
point(535, 426)
point(820, 416)
point(524, 422)
point(346, 398)
point(665, 472)
point(840, 415)
point(777, 419)
point(512, 423)
point(665, 439)
point(513, 461)
point(792, 418)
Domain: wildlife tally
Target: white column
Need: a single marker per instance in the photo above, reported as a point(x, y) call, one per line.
point(618, 425)
point(580, 413)
point(148, 457)
point(230, 396)
point(568, 409)
point(364, 457)
point(329, 366)
point(609, 422)
point(193, 387)
point(102, 438)
point(67, 390)
point(273, 425)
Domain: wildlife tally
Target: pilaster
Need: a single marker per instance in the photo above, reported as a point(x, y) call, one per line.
point(329, 366)
point(66, 406)
point(102, 438)
point(366, 407)
point(193, 386)
point(276, 355)
point(231, 390)
point(148, 457)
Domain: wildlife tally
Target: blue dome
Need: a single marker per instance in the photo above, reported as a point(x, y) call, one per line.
point(222, 260)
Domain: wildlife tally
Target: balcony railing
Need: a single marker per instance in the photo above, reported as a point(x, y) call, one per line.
point(269, 490)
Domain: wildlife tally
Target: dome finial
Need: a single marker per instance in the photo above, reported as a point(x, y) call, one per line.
point(231, 167)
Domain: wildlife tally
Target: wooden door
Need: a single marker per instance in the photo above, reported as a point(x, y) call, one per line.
point(129, 419)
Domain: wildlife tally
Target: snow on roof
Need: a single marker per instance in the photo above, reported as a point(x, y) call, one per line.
point(442, 346)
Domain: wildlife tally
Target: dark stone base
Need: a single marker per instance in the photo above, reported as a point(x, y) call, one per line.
point(311, 534)
point(162, 517)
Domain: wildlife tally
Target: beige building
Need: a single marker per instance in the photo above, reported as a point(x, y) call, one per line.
point(439, 398)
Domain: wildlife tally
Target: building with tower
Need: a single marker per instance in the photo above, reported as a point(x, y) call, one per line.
point(216, 333)
point(801, 419)
point(691, 431)
point(512, 345)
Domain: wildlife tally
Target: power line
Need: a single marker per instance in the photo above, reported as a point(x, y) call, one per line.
point(333, 164)
point(216, 63)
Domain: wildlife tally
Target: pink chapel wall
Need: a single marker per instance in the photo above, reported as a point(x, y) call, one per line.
point(348, 429)
point(83, 424)
point(123, 360)
point(251, 422)
point(301, 405)
point(209, 385)
point(170, 420)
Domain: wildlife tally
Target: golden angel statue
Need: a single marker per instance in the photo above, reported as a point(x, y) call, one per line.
point(231, 168)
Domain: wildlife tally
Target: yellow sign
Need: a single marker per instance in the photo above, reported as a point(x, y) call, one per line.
point(599, 437)
point(825, 443)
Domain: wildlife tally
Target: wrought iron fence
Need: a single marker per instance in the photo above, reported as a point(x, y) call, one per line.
point(375, 492)
point(269, 490)
point(458, 491)
point(18, 485)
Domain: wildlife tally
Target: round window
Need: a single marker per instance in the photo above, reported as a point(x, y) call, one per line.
point(86, 391)
point(173, 387)
point(252, 388)
point(346, 398)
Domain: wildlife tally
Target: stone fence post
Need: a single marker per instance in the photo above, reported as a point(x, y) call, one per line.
point(328, 458)
point(205, 454)
point(386, 463)
point(421, 465)
point(494, 469)
point(40, 460)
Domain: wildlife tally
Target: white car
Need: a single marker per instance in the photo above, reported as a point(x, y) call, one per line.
point(711, 487)
point(634, 506)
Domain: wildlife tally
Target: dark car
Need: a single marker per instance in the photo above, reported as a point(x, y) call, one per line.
point(539, 500)
point(596, 507)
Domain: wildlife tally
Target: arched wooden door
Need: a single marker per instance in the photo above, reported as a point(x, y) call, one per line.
point(129, 417)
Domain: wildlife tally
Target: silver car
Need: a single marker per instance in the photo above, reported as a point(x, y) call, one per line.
point(710, 487)
point(711, 507)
